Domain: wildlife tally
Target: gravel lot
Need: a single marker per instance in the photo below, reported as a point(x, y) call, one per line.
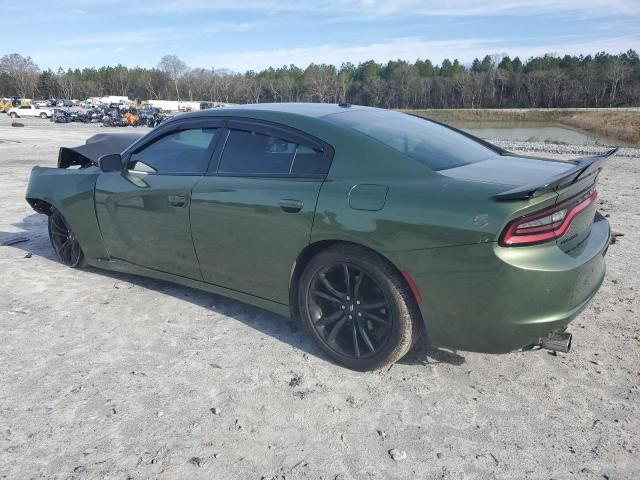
point(119, 377)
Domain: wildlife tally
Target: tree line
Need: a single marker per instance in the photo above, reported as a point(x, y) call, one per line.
point(496, 81)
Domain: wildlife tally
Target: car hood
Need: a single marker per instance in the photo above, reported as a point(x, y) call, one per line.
point(509, 170)
point(95, 147)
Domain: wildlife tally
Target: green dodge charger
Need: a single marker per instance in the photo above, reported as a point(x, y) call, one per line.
point(377, 229)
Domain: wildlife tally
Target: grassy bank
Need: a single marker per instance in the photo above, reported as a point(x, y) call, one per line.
point(622, 125)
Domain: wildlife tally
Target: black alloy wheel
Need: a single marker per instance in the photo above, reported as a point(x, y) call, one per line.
point(64, 241)
point(349, 310)
point(357, 307)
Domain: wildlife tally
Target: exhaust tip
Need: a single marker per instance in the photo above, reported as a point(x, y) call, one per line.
point(557, 342)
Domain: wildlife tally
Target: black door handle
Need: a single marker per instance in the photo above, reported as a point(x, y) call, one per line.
point(177, 200)
point(290, 205)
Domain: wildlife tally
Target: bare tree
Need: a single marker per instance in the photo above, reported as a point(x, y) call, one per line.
point(66, 83)
point(616, 74)
point(252, 88)
point(23, 71)
point(123, 79)
point(174, 68)
point(225, 82)
point(319, 81)
point(554, 83)
point(344, 81)
point(532, 84)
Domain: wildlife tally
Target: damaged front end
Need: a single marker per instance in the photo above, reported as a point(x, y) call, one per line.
point(95, 147)
point(71, 190)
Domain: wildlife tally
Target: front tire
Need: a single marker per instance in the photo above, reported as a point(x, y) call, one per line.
point(64, 241)
point(357, 308)
point(13, 115)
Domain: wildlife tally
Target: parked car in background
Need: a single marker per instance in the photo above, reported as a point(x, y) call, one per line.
point(41, 103)
point(30, 111)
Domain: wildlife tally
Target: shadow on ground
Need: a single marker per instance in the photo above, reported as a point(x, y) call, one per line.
point(33, 240)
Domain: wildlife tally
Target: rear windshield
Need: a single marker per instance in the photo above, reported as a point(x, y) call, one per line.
point(436, 146)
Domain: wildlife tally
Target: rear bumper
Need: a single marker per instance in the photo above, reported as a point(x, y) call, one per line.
point(492, 299)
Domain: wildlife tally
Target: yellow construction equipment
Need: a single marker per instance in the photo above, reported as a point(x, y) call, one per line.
point(5, 104)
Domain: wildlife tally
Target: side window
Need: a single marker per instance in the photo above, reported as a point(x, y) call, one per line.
point(249, 153)
point(182, 151)
point(254, 153)
point(24, 107)
point(309, 161)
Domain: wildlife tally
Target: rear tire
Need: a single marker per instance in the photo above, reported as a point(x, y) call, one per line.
point(64, 241)
point(43, 115)
point(358, 308)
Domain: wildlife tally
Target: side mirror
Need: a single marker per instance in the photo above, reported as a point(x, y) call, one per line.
point(110, 163)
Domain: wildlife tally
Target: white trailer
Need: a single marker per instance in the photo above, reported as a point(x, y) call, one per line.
point(108, 100)
point(174, 105)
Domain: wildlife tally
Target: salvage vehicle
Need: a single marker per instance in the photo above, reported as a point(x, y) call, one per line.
point(377, 229)
point(30, 111)
point(61, 115)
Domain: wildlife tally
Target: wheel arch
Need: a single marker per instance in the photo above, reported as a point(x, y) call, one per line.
point(314, 249)
point(70, 191)
point(41, 206)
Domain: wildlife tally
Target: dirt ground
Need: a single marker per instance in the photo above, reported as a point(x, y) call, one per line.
point(119, 377)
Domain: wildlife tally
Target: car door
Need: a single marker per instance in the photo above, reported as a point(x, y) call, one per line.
point(143, 211)
point(253, 215)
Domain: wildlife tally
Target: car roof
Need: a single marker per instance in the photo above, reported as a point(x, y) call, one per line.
point(313, 110)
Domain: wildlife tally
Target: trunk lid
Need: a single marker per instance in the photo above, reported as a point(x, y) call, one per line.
point(509, 170)
point(532, 185)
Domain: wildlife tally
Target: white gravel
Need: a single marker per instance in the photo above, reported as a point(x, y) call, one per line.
point(115, 376)
point(562, 149)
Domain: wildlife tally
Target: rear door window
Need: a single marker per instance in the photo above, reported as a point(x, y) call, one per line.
point(257, 153)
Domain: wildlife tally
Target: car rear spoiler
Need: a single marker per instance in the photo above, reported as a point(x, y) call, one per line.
point(584, 167)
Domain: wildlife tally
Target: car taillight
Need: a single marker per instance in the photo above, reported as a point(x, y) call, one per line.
point(547, 224)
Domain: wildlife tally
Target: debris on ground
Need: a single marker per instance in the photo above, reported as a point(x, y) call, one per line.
point(296, 380)
point(614, 236)
point(397, 455)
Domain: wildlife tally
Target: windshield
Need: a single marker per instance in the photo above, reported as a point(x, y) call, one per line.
point(434, 145)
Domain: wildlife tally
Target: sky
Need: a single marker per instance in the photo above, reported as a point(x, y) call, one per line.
point(241, 35)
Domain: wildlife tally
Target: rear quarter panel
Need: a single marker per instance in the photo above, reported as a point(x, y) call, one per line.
point(72, 193)
point(422, 209)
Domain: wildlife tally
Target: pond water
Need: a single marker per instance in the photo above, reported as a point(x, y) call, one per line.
point(533, 132)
